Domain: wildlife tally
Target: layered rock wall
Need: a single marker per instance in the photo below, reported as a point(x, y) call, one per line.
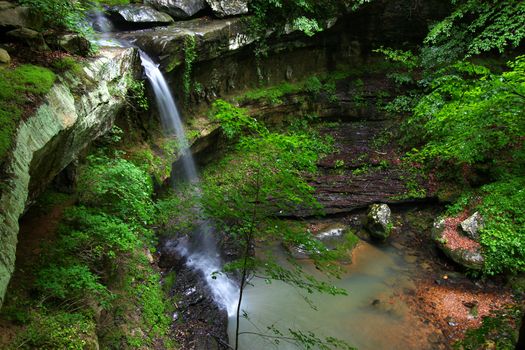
point(76, 111)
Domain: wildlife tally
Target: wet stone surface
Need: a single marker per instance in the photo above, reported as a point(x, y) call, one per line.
point(198, 323)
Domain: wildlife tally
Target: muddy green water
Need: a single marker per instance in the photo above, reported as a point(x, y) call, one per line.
point(374, 315)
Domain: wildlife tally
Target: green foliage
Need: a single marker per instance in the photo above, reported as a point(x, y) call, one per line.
point(60, 330)
point(308, 16)
point(405, 58)
point(137, 93)
point(61, 14)
point(95, 237)
point(118, 186)
point(67, 63)
point(233, 120)
point(151, 298)
point(497, 331)
point(74, 283)
point(313, 85)
point(190, 55)
point(15, 86)
point(472, 116)
point(273, 94)
point(182, 203)
point(117, 2)
point(475, 27)
point(503, 235)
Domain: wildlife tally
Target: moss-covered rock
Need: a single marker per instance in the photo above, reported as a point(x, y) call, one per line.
point(379, 221)
point(462, 250)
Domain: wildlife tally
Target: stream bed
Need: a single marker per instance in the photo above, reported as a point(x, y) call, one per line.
point(374, 315)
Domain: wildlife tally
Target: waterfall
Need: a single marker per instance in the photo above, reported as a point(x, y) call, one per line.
point(103, 29)
point(201, 252)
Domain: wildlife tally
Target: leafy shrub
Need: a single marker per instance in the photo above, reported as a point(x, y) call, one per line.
point(118, 186)
point(74, 283)
point(308, 16)
point(503, 237)
point(67, 64)
point(273, 94)
point(467, 120)
point(59, 330)
point(233, 120)
point(95, 237)
point(59, 14)
point(313, 85)
point(153, 307)
point(474, 27)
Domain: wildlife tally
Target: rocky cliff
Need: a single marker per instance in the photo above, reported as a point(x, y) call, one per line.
point(76, 111)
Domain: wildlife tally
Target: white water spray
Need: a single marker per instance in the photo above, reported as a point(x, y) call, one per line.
point(201, 254)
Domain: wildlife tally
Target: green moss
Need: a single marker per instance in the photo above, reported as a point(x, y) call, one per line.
point(65, 64)
point(272, 94)
point(16, 86)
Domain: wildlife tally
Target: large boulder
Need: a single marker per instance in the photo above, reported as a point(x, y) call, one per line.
point(4, 57)
point(225, 8)
point(472, 225)
point(72, 43)
point(141, 15)
point(31, 37)
point(379, 221)
point(13, 16)
point(178, 8)
point(463, 250)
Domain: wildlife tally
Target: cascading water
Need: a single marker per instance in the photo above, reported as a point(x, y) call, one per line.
point(103, 30)
point(201, 252)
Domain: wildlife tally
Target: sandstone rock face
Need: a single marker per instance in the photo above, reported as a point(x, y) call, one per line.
point(379, 221)
point(52, 137)
point(214, 38)
point(225, 8)
point(178, 8)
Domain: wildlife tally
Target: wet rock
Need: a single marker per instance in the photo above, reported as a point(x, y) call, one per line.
point(4, 57)
point(460, 249)
point(225, 8)
point(196, 311)
point(12, 16)
point(139, 14)
point(31, 37)
point(214, 38)
point(178, 8)
point(74, 44)
point(472, 225)
point(379, 221)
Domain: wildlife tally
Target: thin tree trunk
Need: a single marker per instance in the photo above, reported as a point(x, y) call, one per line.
point(248, 242)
